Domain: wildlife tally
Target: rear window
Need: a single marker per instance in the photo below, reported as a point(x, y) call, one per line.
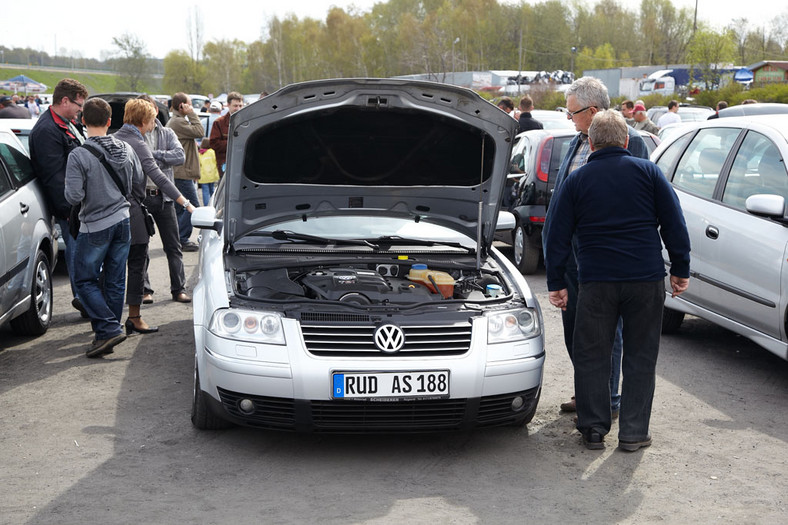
point(369, 147)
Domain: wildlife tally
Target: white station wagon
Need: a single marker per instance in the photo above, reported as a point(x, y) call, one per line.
point(348, 281)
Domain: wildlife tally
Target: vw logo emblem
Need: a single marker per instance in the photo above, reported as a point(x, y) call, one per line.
point(389, 338)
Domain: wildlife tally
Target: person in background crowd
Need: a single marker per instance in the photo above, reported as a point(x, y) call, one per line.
point(749, 101)
point(206, 106)
point(52, 138)
point(507, 106)
point(209, 173)
point(138, 119)
point(102, 245)
point(628, 111)
point(584, 98)
point(720, 105)
point(32, 106)
point(168, 152)
point(642, 122)
point(188, 128)
point(221, 129)
point(671, 116)
point(526, 121)
point(617, 238)
point(8, 109)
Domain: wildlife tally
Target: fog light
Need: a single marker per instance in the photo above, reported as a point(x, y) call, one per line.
point(246, 406)
point(518, 403)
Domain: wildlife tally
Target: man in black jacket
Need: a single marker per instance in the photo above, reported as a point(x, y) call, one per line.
point(53, 137)
point(527, 122)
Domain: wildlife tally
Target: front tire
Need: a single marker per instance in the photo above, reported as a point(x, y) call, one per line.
point(526, 251)
point(202, 416)
point(36, 320)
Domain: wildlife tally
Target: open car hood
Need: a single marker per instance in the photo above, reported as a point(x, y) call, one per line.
point(418, 150)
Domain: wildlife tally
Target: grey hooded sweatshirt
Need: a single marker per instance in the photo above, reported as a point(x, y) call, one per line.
point(88, 182)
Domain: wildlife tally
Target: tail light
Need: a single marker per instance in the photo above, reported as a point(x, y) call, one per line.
point(543, 160)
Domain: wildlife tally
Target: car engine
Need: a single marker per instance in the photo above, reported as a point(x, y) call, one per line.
point(379, 284)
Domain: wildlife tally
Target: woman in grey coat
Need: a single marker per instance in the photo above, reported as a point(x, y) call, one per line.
point(139, 118)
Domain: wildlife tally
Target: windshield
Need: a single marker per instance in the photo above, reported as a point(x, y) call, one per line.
point(369, 228)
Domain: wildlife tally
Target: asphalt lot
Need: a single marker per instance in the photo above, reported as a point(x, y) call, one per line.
point(109, 441)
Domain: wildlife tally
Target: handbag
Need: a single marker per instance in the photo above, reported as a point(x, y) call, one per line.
point(146, 215)
point(149, 224)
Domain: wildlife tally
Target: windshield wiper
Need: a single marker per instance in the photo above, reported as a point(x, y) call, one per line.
point(287, 235)
point(397, 240)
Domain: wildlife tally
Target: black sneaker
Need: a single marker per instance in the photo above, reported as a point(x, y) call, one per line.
point(100, 347)
point(190, 246)
point(632, 446)
point(594, 441)
point(77, 304)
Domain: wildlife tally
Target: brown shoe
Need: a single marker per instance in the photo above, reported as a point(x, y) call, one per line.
point(181, 298)
point(569, 406)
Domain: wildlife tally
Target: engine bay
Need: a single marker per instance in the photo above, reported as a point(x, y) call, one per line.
point(371, 284)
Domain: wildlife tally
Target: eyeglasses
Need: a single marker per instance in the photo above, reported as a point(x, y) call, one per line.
point(75, 102)
point(571, 114)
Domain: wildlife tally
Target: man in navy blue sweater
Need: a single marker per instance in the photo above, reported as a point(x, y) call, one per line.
point(617, 206)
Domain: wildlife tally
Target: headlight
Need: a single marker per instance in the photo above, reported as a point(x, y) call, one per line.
point(248, 325)
point(513, 325)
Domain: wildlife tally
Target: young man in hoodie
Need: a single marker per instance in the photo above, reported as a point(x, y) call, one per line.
point(104, 233)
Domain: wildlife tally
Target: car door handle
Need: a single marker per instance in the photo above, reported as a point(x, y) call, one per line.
point(712, 232)
point(24, 208)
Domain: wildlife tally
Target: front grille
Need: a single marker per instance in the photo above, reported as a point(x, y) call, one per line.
point(358, 341)
point(270, 412)
point(371, 416)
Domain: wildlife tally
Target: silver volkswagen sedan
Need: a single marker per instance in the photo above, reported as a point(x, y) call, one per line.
point(731, 179)
point(347, 279)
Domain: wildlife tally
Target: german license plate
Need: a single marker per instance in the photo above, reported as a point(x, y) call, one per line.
point(431, 384)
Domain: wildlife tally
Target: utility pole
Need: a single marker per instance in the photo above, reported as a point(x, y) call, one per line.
point(453, 79)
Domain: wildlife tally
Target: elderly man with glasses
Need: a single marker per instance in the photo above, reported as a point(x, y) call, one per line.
point(584, 99)
point(56, 133)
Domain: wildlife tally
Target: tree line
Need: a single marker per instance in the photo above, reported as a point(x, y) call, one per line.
point(400, 37)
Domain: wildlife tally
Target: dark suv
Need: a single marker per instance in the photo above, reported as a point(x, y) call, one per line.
point(536, 158)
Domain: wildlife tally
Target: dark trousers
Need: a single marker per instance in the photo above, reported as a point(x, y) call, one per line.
point(599, 306)
point(568, 321)
point(189, 190)
point(138, 254)
point(167, 226)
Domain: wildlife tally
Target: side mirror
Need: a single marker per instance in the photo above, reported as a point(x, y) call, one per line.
point(205, 217)
point(506, 221)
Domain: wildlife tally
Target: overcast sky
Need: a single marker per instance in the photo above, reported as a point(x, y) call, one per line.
point(88, 26)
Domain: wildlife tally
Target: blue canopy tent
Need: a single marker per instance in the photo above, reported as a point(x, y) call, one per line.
point(22, 83)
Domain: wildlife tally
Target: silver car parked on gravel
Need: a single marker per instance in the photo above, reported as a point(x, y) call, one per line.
point(730, 176)
point(28, 245)
point(347, 279)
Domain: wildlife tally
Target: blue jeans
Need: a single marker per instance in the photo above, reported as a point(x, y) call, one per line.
point(600, 308)
point(189, 190)
point(207, 192)
point(107, 249)
point(68, 256)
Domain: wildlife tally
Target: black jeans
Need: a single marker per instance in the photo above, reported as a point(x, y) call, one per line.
point(599, 305)
point(167, 226)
